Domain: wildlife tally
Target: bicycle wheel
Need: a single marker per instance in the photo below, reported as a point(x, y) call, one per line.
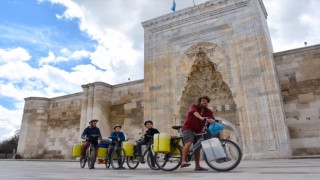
point(83, 161)
point(107, 160)
point(118, 158)
point(151, 160)
point(169, 161)
point(232, 160)
point(91, 157)
point(132, 162)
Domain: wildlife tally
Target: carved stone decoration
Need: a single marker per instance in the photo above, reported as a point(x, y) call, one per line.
point(204, 79)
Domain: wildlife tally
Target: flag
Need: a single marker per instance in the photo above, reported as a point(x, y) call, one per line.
point(173, 8)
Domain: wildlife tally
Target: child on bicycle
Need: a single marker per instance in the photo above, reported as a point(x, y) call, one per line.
point(117, 137)
point(92, 134)
point(148, 136)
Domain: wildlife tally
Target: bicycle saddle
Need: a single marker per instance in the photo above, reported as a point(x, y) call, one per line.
point(176, 127)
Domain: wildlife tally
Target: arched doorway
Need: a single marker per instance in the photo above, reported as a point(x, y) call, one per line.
point(204, 79)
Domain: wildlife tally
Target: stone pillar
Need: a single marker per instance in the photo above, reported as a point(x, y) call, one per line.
point(101, 106)
point(96, 104)
point(90, 103)
point(33, 127)
point(84, 107)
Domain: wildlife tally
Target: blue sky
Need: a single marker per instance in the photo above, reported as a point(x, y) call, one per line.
point(50, 48)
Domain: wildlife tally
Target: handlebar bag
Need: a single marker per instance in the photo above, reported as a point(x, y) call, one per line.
point(215, 127)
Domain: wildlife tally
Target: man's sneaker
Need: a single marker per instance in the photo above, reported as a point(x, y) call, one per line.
point(92, 168)
point(122, 167)
point(142, 161)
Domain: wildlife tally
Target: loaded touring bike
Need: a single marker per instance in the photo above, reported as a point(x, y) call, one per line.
point(91, 154)
point(117, 157)
point(170, 161)
point(133, 161)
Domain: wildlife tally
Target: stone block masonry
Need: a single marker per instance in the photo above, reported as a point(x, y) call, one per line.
point(298, 73)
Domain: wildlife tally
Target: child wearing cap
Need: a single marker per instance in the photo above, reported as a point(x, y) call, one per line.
point(117, 137)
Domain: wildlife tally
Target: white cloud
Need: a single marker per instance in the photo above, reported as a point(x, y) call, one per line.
point(46, 60)
point(10, 121)
point(115, 51)
point(19, 80)
point(14, 55)
point(65, 56)
point(73, 11)
point(293, 22)
point(79, 54)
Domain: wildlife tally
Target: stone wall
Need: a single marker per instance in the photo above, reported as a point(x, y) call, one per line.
point(127, 108)
point(34, 127)
point(234, 36)
point(50, 127)
point(299, 77)
point(62, 126)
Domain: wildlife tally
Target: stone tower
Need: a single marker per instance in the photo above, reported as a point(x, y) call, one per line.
point(222, 49)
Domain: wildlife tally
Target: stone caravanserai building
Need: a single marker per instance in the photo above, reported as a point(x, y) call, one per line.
point(222, 49)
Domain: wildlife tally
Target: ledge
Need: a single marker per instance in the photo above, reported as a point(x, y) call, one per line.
point(197, 12)
point(129, 83)
point(67, 96)
point(298, 50)
point(37, 98)
point(54, 98)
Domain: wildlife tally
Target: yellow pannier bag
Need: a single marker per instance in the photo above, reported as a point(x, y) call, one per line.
point(161, 143)
point(128, 148)
point(77, 149)
point(102, 152)
point(176, 151)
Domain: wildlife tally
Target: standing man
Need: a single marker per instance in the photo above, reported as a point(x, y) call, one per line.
point(194, 123)
point(92, 134)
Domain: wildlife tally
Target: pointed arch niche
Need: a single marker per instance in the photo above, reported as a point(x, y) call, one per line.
point(204, 78)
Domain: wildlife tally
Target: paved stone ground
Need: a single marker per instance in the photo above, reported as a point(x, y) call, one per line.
point(290, 169)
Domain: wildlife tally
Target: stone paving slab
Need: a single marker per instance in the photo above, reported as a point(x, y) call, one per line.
point(291, 169)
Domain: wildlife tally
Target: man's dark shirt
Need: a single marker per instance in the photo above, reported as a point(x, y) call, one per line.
point(92, 131)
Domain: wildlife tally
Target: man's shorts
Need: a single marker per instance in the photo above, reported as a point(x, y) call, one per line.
point(188, 136)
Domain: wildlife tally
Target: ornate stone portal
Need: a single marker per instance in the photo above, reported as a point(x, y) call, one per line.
point(223, 50)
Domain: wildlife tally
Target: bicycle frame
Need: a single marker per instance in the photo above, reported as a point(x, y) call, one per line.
point(197, 146)
point(149, 145)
